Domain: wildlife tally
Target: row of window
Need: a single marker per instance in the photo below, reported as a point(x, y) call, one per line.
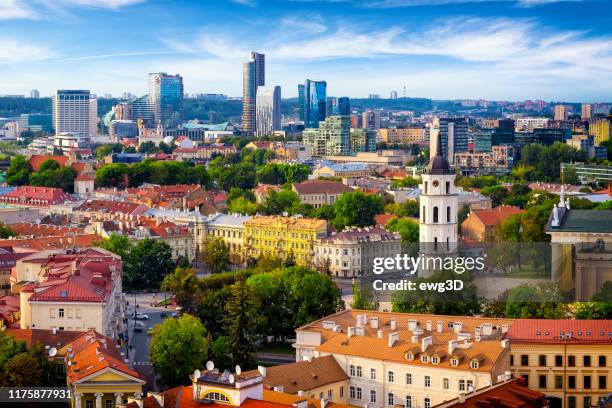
point(587, 401)
point(61, 313)
point(571, 361)
point(224, 233)
point(571, 381)
point(436, 217)
point(463, 385)
point(278, 234)
point(355, 393)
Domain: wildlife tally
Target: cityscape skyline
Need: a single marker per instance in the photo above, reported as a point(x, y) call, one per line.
point(450, 49)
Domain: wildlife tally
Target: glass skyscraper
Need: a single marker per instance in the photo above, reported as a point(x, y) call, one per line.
point(313, 102)
point(267, 112)
point(253, 76)
point(166, 98)
point(338, 106)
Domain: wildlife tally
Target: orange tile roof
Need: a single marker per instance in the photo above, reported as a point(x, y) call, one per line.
point(25, 229)
point(561, 331)
point(54, 242)
point(496, 215)
point(505, 395)
point(369, 345)
point(36, 196)
point(36, 160)
point(44, 337)
point(321, 187)
point(383, 219)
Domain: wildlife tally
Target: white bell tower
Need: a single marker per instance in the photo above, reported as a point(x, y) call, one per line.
point(438, 207)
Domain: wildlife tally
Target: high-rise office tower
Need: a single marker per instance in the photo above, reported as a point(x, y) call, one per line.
point(141, 108)
point(338, 106)
point(34, 94)
point(313, 99)
point(71, 112)
point(370, 119)
point(93, 115)
point(560, 112)
point(267, 110)
point(332, 138)
point(586, 111)
point(166, 98)
point(453, 135)
point(253, 76)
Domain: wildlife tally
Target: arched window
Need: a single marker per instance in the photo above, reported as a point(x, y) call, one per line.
point(448, 214)
point(425, 187)
point(424, 214)
point(435, 214)
point(435, 243)
point(448, 187)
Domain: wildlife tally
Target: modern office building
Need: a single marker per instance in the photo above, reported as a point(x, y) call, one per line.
point(543, 136)
point(36, 122)
point(601, 129)
point(362, 140)
point(561, 112)
point(93, 116)
point(586, 111)
point(268, 110)
point(72, 112)
point(166, 98)
point(332, 138)
point(253, 76)
point(313, 102)
point(142, 109)
point(34, 94)
point(122, 129)
point(338, 106)
point(528, 124)
point(453, 134)
point(402, 135)
point(370, 119)
point(590, 173)
point(393, 95)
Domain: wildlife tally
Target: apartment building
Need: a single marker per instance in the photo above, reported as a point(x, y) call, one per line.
point(107, 210)
point(402, 135)
point(283, 237)
point(70, 290)
point(568, 360)
point(319, 192)
point(413, 360)
point(35, 197)
point(228, 227)
point(351, 253)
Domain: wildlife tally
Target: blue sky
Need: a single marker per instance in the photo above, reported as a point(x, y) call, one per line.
point(508, 49)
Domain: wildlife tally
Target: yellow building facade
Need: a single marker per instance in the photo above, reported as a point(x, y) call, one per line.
point(601, 129)
point(283, 237)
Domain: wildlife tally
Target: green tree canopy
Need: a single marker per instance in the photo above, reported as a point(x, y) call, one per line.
point(356, 209)
point(18, 173)
point(216, 255)
point(147, 264)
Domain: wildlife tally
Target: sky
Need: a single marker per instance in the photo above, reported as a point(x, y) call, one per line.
point(442, 49)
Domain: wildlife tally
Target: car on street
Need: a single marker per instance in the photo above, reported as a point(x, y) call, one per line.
point(150, 331)
point(139, 327)
point(141, 316)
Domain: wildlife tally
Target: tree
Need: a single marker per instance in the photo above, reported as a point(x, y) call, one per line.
point(18, 173)
point(356, 209)
point(279, 202)
point(9, 348)
point(216, 255)
point(462, 216)
point(112, 175)
point(22, 367)
point(241, 322)
point(6, 231)
point(219, 353)
point(147, 264)
point(407, 228)
point(497, 194)
point(183, 284)
point(324, 212)
point(117, 244)
point(362, 299)
point(528, 301)
point(242, 205)
point(178, 347)
point(52, 175)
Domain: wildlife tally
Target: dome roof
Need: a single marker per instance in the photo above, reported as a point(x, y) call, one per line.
point(439, 165)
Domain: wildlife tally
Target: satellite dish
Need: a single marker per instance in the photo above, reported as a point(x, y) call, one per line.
point(238, 370)
point(52, 352)
point(210, 365)
point(196, 374)
point(231, 378)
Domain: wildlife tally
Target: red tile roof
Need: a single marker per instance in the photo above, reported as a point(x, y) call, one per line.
point(321, 187)
point(55, 242)
point(112, 207)
point(44, 337)
point(36, 196)
point(25, 229)
point(561, 331)
point(383, 219)
point(36, 160)
point(84, 177)
point(496, 215)
point(505, 395)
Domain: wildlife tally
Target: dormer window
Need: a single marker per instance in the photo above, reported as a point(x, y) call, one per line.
point(435, 360)
point(474, 364)
point(424, 358)
point(410, 356)
point(454, 361)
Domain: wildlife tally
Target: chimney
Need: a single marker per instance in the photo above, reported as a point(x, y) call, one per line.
point(300, 403)
point(54, 331)
point(461, 398)
point(380, 334)
point(374, 322)
point(414, 338)
point(393, 324)
point(505, 328)
point(457, 326)
point(262, 370)
point(505, 343)
point(350, 332)
point(393, 337)
point(426, 342)
point(439, 326)
point(429, 325)
point(412, 324)
point(452, 344)
point(300, 393)
point(487, 329)
point(323, 402)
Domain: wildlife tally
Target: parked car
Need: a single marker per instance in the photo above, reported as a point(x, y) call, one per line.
point(141, 316)
point(150, 331)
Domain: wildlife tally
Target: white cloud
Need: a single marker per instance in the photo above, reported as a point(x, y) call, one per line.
point(11, 9)
point(415, 3)
point(106, 4)
point(14, 51)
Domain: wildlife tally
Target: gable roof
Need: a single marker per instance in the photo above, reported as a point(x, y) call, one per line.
point(561, 331)
point(36, 160)
point(497, 215)
point(45, 337)
point(321, 187)
point(509, 394)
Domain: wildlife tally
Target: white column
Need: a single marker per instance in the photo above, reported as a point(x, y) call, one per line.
point(77, 400)
point(99, 399)
point(118, 398)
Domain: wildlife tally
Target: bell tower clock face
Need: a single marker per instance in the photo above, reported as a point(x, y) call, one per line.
point(436, 183)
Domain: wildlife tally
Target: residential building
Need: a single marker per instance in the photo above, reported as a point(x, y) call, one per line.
point(319, 192)
point(350, 253)
point(391, 157)
point(123, 111)
point(97, 372)
point(34, 94)
point(511, 393)
point(37, 197)
point(312, 97)
point(268, 110)
point(8, 259)
point(319, 378)
point(203, 153)
point(36, 122)
point(338, 106)
point(54, 242)
point(362, 140)
point(498, 158)
point(370, 119)
point(71, 290)
point(332, 138)
point(570, 361)
point(71, 113)
point(561, 112)
point(413, 360)
point(228, 227)
point(343, 170)
point(10, 215)
point(253, 76)
point(166, 99)
point(481, 225)
point(283, 237)
point(601, 128)
point(402, 135)
point(529, 124)
point(84, 185)
point(586, 111)
point(106, 210)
